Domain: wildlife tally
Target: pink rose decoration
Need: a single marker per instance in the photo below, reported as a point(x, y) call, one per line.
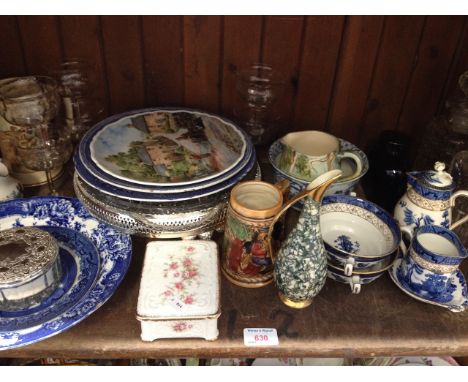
point(187, 262)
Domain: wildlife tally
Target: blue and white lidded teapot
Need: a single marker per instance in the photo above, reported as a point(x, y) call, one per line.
point(428, 199)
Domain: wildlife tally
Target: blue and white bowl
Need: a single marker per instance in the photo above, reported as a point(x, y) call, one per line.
point(355, 281)
point(352, 264)
point(343, 187)
point(358, 234)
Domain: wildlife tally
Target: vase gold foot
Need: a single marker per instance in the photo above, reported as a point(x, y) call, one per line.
point(294, 304)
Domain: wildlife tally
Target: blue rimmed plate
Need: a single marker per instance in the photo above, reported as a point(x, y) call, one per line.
point(123, 193)
point(454, 298)
point(94, 257)
point(164, 147)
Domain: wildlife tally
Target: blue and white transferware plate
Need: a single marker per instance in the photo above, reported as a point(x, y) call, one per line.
point(454, 297)
point(124, 193)
point(164, 147)
point(94, 258)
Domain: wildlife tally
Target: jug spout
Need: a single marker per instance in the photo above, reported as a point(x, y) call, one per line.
point(320, 184)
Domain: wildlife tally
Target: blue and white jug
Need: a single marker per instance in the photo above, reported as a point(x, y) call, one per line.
point(429, 199)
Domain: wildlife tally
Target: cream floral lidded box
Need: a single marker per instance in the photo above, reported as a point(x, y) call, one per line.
point(179, 290)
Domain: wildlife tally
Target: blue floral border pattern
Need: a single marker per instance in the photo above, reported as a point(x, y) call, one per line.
point(426, 191)
point(367, 210)
point(442, 290)
point(65, 296)
point(114, 248)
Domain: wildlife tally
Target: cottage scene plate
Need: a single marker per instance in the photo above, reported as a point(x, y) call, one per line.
point(164, 147)
point(119, 192)
point(458, 302)
point(95, 259)
point(87, 168)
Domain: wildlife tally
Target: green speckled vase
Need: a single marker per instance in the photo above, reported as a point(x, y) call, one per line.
point(301, 264)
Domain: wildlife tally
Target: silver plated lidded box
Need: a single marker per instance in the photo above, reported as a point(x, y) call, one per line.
point(30, 267)
point(180, 290)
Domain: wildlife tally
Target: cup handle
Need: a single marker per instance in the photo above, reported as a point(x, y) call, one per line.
point(408, 231)
point(452, 204)
point(355, 283)
point(355, 158)
point(348, 270)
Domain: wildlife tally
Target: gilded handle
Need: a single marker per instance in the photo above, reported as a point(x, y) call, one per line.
point(288, 204)
point(316, 189)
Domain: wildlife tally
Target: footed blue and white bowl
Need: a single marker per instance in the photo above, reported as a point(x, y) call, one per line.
point(342, 187)
point(355, 280)
point(358, 234)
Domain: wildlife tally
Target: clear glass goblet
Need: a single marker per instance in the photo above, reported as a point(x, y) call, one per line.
point(259, 87)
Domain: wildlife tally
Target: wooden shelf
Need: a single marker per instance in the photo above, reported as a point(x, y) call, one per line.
point(380, 321)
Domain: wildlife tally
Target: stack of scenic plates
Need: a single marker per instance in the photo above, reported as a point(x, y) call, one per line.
point(162, 172)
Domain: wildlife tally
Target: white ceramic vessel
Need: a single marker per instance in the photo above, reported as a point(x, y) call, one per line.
point(10, 188)
point(429, 200)
point(179, 291)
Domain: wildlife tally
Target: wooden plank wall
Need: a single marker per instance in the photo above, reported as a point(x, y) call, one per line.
point(353, 76)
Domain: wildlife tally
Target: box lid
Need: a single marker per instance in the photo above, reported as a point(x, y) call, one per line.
point(179, 279)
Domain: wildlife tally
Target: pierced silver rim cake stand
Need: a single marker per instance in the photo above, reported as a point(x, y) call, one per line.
point(189, 219)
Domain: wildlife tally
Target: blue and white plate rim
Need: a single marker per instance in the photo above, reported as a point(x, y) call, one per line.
point(80, 285)
point(118, 192)
point(84, 150)
point(115, 249)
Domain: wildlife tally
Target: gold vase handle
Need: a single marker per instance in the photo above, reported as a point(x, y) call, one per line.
point(315, 189)
point(286, 206)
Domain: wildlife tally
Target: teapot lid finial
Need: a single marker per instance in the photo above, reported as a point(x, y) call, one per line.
point(439, 166)
point(438, 178)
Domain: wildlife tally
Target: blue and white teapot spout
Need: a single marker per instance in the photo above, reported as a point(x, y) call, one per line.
point(429, 199)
